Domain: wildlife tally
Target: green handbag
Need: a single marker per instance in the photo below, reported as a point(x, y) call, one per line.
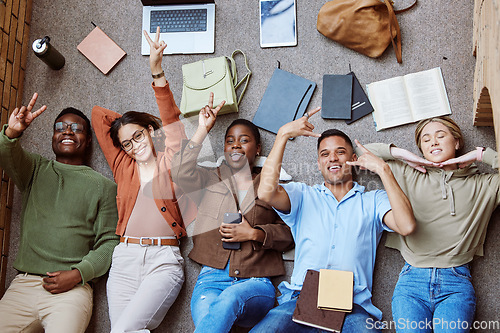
point(217, 75)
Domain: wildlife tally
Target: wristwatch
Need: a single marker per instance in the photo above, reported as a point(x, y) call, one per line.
point(159, 75)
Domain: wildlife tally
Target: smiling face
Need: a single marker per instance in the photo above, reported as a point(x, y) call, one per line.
point(437, 142)
point(240, 147)
point(141, 151)
point(71, 147)
point(333, 153)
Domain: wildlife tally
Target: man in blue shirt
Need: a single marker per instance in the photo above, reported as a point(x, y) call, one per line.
point(336, 225)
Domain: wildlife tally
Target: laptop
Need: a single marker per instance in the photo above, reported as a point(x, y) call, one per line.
point(187, 26)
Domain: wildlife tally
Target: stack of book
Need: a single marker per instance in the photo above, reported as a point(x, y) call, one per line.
point(325, 299)
point(344, 98)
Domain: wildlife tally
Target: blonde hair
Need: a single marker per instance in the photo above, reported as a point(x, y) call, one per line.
point(446, 121)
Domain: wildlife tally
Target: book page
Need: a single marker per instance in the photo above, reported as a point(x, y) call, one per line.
point(390, 102)
point(427, 94)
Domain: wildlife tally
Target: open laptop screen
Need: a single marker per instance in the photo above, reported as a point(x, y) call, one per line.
point(174, 2)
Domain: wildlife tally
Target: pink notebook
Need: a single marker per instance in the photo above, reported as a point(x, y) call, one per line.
point(101, 50)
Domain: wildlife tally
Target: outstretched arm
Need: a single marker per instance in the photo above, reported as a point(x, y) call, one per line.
point(269, 189)
point(400, 218)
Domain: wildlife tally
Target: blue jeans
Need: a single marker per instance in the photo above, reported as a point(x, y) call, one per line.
point(219, 301)
point(434, 299)
point(279, 320)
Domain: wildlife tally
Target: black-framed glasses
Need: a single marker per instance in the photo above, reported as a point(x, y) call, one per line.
point(138, 136)
point(62, 126)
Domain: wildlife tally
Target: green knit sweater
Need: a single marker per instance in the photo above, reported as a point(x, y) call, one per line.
point(68, 216)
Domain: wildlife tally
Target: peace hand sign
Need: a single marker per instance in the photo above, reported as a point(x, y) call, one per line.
point(208, 114)
point(21, 118)
point(156, 48)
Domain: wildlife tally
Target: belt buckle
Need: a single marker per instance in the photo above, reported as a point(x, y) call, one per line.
point(142, 244)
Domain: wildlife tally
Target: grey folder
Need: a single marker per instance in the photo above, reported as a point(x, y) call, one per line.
point(286, 98)
point(337, 97)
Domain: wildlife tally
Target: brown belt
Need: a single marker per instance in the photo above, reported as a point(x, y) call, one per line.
point(147, 241)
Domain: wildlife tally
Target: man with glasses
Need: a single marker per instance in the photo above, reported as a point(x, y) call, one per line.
point(68, 221)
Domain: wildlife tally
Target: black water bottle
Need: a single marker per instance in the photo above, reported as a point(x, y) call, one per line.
point(49, 55)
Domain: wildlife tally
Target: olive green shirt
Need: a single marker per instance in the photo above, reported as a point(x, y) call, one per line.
point(452, 210)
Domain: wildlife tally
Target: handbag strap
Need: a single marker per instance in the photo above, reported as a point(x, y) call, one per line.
point(393, 21)
point(246, 78)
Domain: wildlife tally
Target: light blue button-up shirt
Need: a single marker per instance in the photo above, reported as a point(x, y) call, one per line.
point(336, 235)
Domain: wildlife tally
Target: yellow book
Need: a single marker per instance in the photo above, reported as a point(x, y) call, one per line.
point(335, 290)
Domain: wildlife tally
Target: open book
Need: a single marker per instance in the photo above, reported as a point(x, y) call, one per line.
point(409, 98)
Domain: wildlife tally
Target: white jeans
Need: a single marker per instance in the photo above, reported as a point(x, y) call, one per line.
point(143, 283)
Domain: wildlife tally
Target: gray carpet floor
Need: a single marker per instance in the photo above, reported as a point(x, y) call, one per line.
point(434, 34)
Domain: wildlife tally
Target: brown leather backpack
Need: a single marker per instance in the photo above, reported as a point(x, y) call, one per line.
point(366, 26)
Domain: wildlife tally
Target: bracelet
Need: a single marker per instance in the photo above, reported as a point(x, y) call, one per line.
point(480, 152)
point(157, 76)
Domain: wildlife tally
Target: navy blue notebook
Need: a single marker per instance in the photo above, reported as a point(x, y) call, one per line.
point(286, 98)
point(337, 96)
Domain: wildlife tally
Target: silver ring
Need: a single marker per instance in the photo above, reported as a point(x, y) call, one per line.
point(307, 115)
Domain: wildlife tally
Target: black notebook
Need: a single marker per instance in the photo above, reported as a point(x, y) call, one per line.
point(361, 105)
point(307, 312)
point(286, 98)
point(337, 96)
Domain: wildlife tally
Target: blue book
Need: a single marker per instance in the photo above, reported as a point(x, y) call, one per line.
point(286, 98)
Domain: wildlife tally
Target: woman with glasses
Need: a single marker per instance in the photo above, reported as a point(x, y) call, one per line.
point(146, 273)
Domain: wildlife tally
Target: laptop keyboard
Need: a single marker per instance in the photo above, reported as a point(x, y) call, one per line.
point(179, 20)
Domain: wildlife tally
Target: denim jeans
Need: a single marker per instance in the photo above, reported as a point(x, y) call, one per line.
point(434, 299)
point(219, 301)
point(279, 320)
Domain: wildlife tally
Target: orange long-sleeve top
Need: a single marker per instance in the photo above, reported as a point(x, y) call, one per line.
point(175, 209)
